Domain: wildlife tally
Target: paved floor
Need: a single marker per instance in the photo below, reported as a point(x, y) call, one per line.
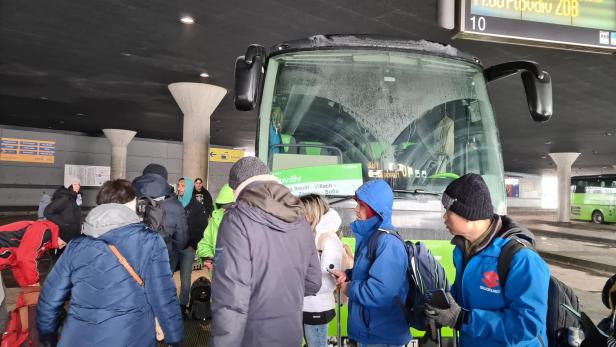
point(552, 237)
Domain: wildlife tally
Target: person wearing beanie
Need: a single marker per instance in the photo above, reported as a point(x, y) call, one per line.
point(485, 312)
point(266, 262)
point(64, 211)
point(206, 249)
point(377, 284)
point(153, 184)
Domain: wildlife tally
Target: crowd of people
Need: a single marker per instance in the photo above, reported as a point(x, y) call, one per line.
point(276, 261)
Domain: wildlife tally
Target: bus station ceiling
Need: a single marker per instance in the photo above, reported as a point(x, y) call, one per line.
point(88, 65)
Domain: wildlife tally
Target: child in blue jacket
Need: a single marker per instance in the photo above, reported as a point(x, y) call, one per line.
point(376, 287)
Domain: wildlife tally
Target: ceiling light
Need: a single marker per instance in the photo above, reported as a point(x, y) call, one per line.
point(44, 98)
point(80, 114)
point(187, 20)
point(544, 156)
point(204, 74)
point(608, 133)
point(127, 54)
point(548, 142)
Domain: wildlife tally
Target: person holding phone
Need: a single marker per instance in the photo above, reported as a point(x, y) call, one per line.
point(376, 287)
point(484, 312)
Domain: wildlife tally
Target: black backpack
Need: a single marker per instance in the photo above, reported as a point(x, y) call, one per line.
point(199, 304)
point(153, 215)
point(559, 294)
point(425, 274)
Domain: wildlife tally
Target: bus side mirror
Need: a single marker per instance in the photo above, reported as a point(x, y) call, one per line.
point(249, 78)
point(537, 85)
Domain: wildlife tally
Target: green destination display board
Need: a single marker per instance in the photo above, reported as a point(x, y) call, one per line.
point(557, 23)
point(337, 179)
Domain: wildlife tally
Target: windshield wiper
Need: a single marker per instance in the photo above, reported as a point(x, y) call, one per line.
point(339, 198)
point(416, 192)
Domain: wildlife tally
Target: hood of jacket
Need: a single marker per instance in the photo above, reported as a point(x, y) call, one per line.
point(189, 187)
point(511, 229)
point(151, 185)
point(63, 191)
point(280, 206)
point(330, 223)
point(378, 195)
point(106, 217)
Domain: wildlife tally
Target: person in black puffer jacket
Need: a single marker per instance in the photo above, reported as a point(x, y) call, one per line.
point(64, 211)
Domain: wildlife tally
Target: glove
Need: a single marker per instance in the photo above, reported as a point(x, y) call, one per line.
point(450, 317)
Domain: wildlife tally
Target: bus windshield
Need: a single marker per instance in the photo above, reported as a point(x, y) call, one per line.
point(333, 119)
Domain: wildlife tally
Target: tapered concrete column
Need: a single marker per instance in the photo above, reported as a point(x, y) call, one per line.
point(197, 101)
point(563, 170)
point(119, 141)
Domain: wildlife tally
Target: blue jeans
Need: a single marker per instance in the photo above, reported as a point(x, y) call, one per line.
point(185, 258)
point(315, 335)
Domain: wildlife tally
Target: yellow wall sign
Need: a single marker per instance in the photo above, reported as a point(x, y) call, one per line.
point(224, 155)
point(27, 151)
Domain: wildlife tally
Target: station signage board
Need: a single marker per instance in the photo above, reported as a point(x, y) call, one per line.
point(89, 175)
point(569, 24)
point(27, 150)
point(225, 155)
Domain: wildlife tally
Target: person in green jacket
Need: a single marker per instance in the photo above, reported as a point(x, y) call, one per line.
point(207, 246)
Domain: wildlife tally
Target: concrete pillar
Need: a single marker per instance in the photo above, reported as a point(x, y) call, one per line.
point(197, 101)
point(119, 141)
point(563, 170)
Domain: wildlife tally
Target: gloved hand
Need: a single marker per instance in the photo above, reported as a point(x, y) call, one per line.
point(450, 317)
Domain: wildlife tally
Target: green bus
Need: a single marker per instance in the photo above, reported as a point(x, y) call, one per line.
point(335, 111)
point(593, 198)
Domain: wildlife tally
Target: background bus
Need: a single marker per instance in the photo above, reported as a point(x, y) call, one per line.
point(593, 198)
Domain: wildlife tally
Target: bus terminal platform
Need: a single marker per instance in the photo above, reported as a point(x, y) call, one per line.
point(581, 254)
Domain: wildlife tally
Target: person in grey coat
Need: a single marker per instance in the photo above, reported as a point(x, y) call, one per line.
point(265, 263)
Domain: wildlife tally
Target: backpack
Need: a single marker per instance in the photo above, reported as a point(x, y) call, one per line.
point(559, 294)
point(199, 304)
point(21, 328)
point(425, 274)
point(152, 213)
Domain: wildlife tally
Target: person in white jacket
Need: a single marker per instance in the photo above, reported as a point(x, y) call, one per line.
point(318, 309)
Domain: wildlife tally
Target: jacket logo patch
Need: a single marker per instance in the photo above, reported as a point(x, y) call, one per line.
point(490, 279)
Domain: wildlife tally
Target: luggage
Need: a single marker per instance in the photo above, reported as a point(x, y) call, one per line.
point(21, 328)
point(199, 306)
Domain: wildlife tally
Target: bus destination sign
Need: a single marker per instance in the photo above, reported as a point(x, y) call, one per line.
point(569, 24)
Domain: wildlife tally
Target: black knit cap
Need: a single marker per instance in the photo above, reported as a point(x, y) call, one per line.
point(469, 197)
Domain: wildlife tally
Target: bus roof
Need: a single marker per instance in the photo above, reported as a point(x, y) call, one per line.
point(594, 176)
point(322, 42)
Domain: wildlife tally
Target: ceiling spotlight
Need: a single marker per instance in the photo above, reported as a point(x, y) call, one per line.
point(608, 133)
point(544, 156)
point(548, 142)
point(187, 20)
point(80, 114)
point(44, 98)
point(204, 74)
point(127, 54)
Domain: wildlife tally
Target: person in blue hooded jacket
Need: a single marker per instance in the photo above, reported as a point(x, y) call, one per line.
point(376, 288)
point(108, 308)
point(485, 312)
